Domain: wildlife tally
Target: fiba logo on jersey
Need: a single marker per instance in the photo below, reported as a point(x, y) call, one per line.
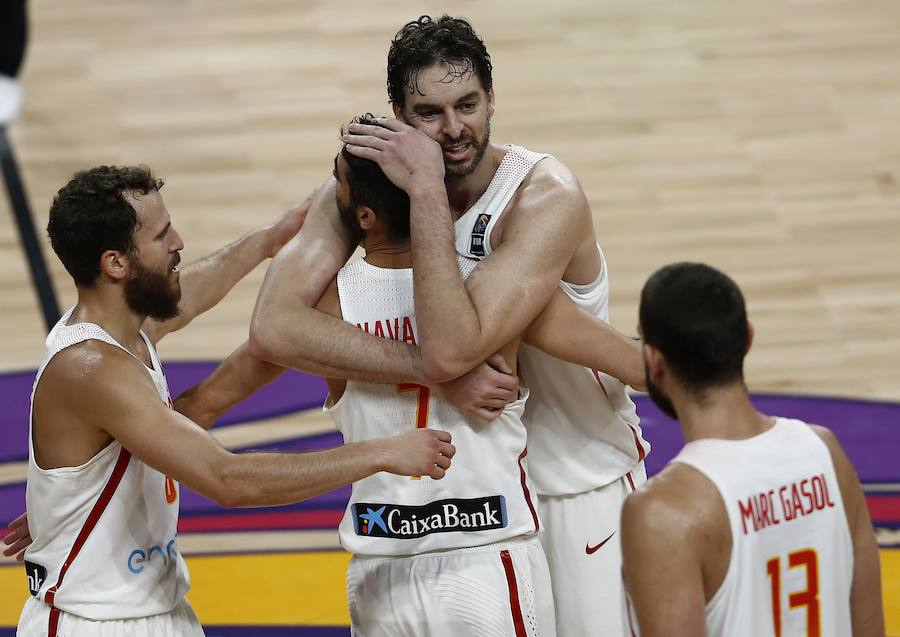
point(36, 575)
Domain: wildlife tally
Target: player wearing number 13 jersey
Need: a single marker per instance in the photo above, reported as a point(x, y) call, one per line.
point(758, 527)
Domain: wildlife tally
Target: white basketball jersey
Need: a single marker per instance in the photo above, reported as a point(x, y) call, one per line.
point(583, 429)
point(486, 495)
point(791, 565)
point(104, 531)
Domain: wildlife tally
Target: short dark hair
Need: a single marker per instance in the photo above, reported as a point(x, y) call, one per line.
point(370, 187)
point(695, 315)
point(89, 216)
point(426, 41)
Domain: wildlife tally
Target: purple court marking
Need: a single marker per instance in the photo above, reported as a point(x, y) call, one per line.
point(293, 391)
point(869, 431)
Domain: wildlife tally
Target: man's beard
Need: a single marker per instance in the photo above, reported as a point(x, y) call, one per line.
point(152, 293)
point(458, 171)
point(659, 398)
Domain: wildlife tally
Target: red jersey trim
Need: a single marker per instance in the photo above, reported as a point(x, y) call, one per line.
point(524, 479)
point(93, 517)
point(518, 622)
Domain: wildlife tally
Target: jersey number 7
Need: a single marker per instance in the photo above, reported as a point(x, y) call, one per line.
point(424, 395)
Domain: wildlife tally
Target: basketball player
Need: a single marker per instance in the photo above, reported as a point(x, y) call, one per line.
point(388, 520)
point(585, 447)
point(759, 525)
point(107, 451)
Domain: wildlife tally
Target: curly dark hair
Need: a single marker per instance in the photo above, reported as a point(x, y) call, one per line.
point(89, 216)
point(426, 41)
point(370, 187)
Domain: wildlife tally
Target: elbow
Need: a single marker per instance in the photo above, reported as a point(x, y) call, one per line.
point(226, 489)
point(261, 343)
point(440, 368)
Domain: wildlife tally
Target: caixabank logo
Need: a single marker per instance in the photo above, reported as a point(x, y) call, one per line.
point(441, 516)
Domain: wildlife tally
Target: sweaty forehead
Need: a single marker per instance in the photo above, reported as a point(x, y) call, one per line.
point(443, 78)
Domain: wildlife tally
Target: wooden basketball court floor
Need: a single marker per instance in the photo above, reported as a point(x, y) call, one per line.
point(763, 138)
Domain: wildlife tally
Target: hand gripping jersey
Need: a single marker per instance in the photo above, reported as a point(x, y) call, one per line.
point(486, 495)
point(791, 565)
point(104, 531)
point(583, 430)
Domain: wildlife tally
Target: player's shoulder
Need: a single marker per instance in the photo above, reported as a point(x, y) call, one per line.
point(680, 501)
point(83, 364)
point(551, 185)
point(551, 175)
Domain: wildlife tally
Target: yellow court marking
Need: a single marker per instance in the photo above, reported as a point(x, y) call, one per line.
point(309, 589)
point(890, 589)
point(280, 588)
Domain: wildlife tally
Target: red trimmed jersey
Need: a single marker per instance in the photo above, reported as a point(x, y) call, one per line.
point(583, 430)
point(485, 497)
point(104, 531)
point(791, 564)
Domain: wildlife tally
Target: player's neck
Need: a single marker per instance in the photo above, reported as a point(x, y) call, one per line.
point(387, 253)
point(463, 192)
point(105, 306)
point(725, 413)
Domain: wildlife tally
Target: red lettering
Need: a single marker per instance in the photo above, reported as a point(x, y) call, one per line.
point(804, 489)
point(796, 502)
point(747, 514)
point(786, 509)
point(361, 326)
point(379, 329)
point(828, 499)
point(409, 336)
point(394, 334)
point(770, 496)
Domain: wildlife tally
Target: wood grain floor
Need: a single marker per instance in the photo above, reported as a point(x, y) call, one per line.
point(763, 138)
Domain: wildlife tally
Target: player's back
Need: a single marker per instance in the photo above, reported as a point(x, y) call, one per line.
point(486, 496)
point(791, 565)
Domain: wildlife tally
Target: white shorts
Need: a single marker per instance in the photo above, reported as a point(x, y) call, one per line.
point(178, 622)
point(486, 591)
point(581, 541)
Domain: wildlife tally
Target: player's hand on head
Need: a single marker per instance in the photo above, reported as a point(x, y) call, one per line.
point(420, 452)
point(407, 156)
point(285, 227)
point(18, 538)
point(485, 391)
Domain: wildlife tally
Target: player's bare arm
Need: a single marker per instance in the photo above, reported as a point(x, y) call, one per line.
point(551, 221)
point(866, 608)
point(206, 282)
point(288, 330)
point(101, 384)
point(236, 378)
point(669, 528)
point(569, 333)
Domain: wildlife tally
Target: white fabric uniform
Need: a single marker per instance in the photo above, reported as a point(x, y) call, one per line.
point(464, 523)
point(104, 533)
point(789, 535)
point(586, 451)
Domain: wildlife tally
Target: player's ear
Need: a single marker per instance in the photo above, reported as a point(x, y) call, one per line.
point(653, 361)
point(114, 264)
point(750, 333)
point(398, 110)
point(366, 218)
point(490, 102)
